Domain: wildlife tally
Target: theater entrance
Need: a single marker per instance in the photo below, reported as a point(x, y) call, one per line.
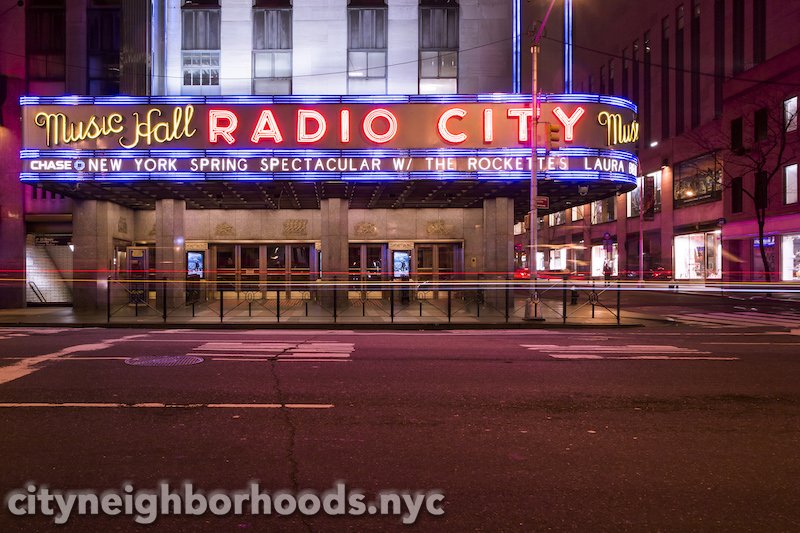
point(434, 263)
point(259, 270)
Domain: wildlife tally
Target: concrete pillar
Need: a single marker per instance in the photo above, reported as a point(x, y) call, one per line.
point(667, 219)
point(171, 249)
point(623, 227)
point(92, 259)
point(498, 238)
point(334, 218)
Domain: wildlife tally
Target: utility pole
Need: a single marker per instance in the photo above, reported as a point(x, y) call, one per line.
point(532, 310)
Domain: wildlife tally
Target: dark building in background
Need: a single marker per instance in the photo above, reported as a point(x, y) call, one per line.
point(716, 81)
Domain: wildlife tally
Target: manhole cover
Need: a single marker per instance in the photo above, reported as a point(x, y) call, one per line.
point(164, 360)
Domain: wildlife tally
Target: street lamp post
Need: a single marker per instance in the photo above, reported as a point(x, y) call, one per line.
point(532, 311)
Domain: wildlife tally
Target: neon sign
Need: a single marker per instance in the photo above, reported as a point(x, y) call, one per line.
point(618, 131)
point(450, 136)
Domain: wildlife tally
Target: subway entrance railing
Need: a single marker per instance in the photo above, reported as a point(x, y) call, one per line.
point(363, 302)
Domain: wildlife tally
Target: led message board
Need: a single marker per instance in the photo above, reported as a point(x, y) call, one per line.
point(264, 138)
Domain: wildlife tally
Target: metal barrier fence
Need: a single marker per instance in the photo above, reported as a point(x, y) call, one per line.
point(407, 302)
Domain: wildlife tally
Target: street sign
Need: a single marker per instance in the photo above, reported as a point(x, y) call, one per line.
point(542, 202)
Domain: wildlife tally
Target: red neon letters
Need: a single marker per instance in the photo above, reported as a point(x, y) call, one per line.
point(379, 126)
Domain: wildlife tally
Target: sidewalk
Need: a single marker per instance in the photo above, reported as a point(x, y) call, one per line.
point(578, 317)
point(754, 291)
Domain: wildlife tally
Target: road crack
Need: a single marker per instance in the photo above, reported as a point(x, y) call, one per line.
point(291, 429)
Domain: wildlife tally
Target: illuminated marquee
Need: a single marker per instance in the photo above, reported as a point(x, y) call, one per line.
point(415, 137)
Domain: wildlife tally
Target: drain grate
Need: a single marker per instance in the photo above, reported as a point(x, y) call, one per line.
point(164, 360)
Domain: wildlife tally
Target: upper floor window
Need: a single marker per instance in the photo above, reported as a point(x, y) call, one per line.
point(272, 47)
point(604, 210)
point(200, 41)
point(438, 47)
point(697, 181)
point(367, 36)
point(577, 213)
point(790, 184)
point(652, 199)
point(557, 219)
point(790, 114)
point(761, 125)
point(737, 134)
point(103, 47)
point(46, 43)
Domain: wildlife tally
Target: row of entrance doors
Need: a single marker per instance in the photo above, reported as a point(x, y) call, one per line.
point(256, 266)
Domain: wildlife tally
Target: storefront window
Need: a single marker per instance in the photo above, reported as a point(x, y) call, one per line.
point(790, 252)
point(558, 259)
point(697, 181)
point(604, 261)
point(577, 213)
point(698, 256)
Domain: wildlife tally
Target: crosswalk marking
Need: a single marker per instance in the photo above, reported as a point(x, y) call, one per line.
point(626, 352)
point(17, 332)
point(304, 351)
point(739, 319)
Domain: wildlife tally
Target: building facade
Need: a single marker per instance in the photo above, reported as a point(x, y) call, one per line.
point(95, 207)
point(79, 226)
point(717, 83)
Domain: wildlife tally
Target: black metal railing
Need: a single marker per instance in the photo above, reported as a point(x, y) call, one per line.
point(440, 302)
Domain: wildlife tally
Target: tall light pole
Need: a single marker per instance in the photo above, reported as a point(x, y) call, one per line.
point(532, 307)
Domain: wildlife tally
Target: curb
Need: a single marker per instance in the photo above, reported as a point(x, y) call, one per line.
point(330, 326)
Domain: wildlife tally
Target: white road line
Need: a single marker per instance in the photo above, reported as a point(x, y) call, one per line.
point(696, 320)
point(41, 331)
point(636, 352)
point(239, 348)
point(754, 343)
point(282, 357)
point(157, 405)
point(575, 356)
point(752, 318)
point(32, 364)
point(679, 358)
point(262, 360)
point(739, 319)
point(772, 319)
point(320, 355)
point(641, 358)
point(720, 334)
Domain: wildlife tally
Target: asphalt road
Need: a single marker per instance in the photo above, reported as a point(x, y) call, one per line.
point(645, 429)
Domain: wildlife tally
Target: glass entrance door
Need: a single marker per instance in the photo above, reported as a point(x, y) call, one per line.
point(261, 268)
point(437, 262)
point(249, 267)
point(365, 269)
point(366, 262)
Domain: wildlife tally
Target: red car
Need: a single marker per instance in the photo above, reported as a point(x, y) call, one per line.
point(524, 273)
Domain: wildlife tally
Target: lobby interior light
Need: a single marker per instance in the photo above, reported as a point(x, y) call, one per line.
point(653, 144)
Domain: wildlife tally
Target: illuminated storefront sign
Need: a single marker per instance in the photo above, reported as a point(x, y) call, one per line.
point(325, 137)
